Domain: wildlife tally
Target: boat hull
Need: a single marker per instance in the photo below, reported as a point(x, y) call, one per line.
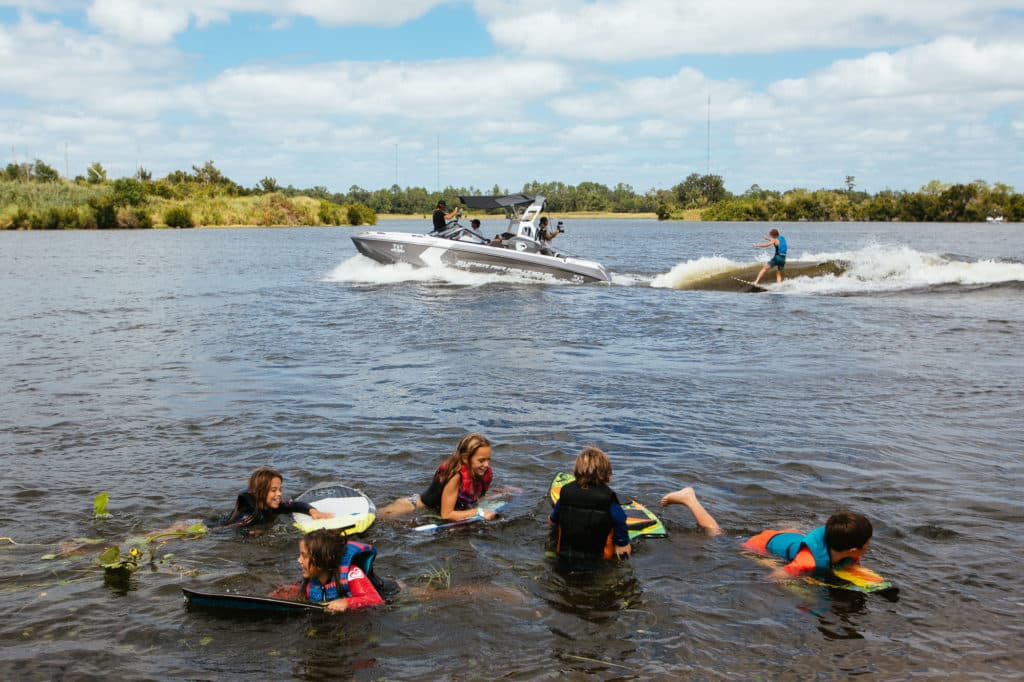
point(419, 250)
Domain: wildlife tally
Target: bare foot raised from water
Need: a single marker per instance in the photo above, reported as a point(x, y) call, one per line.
point(683, 496)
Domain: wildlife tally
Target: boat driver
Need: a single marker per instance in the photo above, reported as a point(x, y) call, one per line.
point(441, 218)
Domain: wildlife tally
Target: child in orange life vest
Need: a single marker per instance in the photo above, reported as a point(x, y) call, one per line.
point(261, 502)
point(590, 521)
point(843, 540)
point(335, 572)
point(457, 486)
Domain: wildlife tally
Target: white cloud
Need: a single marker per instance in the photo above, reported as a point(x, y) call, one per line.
point(947, 66)
point(623, 30)
point(682, 97)
point(158, 21)
point(589, 134)
point(49, 61)
point(428, 90)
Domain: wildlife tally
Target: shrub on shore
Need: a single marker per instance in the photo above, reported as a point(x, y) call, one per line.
point(178, 216)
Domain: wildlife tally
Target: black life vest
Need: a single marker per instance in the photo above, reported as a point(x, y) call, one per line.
point(584, 521)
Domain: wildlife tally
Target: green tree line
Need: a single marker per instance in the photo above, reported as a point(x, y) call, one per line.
point(35, 196)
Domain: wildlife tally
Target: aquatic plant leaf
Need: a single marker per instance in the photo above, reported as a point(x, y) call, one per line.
point(110, 558)
point(99, 506)
point(205, 640)
point(47, 557)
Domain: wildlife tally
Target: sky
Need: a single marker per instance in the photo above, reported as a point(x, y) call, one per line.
point(485, 93)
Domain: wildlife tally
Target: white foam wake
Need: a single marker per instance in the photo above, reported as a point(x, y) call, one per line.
point(362, 270)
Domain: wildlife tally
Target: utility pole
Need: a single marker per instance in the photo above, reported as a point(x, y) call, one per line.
point(708, 171)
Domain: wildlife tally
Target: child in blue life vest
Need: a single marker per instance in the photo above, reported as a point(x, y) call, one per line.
point(778, 261)
point(457, 486)
point(262, 502)
point(336, 573)
point(590, 522)
point(843, 540)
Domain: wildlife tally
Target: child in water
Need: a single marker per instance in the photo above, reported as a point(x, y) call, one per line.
point(457, 486)
point(843, 540)
point(590, 522)
point(335, 572)
point(261, 502)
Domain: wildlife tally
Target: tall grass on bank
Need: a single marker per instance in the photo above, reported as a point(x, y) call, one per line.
point(64, 205)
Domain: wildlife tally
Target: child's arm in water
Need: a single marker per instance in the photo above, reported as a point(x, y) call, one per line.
point(450, 495)
point(363, 593)
point(620, 531)
point(292, 506)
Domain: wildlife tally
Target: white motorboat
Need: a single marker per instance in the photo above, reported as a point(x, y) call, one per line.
point(518, 251)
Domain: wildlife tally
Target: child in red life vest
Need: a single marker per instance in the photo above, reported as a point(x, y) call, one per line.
point(590, 521)
point(457, 486)
point(335, 572)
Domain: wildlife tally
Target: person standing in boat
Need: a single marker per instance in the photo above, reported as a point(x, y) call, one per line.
point(441, 218)
point(544, 236)
point(779, 260)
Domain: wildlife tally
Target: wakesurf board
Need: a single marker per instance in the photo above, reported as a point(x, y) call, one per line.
point(353, 511)
point(243, 602)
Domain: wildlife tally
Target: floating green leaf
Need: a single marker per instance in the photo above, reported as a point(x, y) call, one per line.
point(99, 505)
point(47, 557)
point(205, 640)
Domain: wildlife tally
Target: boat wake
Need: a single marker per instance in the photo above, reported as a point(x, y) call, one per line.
point(872, 270)
point(362, 270)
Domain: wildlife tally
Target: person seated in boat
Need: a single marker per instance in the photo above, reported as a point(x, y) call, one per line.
point(441, 218)
point(544, 235)
point(337, 573)
point(262, 502)
point(498, 240)
point(474, 227)
point(589, 521)
point(457, 486)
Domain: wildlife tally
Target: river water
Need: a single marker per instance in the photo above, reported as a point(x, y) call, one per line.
point(163, 366)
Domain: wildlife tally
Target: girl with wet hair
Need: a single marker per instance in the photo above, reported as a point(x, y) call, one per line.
point(457, 486)
point(262, 502)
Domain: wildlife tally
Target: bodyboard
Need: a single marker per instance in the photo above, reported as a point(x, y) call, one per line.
point(495, 505)
point(854, 578)
point(640, 521)
point(353, 511)
point(242, 602)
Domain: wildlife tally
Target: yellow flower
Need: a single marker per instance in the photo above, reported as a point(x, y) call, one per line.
point(134, 552)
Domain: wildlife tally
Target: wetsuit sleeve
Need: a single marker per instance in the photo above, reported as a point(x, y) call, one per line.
point(802, 563)
point(292, 506)
point(363, 592)
point(554, 513)
point(245, 511)
point(620, 533)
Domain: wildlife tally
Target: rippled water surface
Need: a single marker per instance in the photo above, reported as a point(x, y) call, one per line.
point(163, 366)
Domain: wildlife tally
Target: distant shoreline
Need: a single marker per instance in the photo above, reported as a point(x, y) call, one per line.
point(690, 215)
